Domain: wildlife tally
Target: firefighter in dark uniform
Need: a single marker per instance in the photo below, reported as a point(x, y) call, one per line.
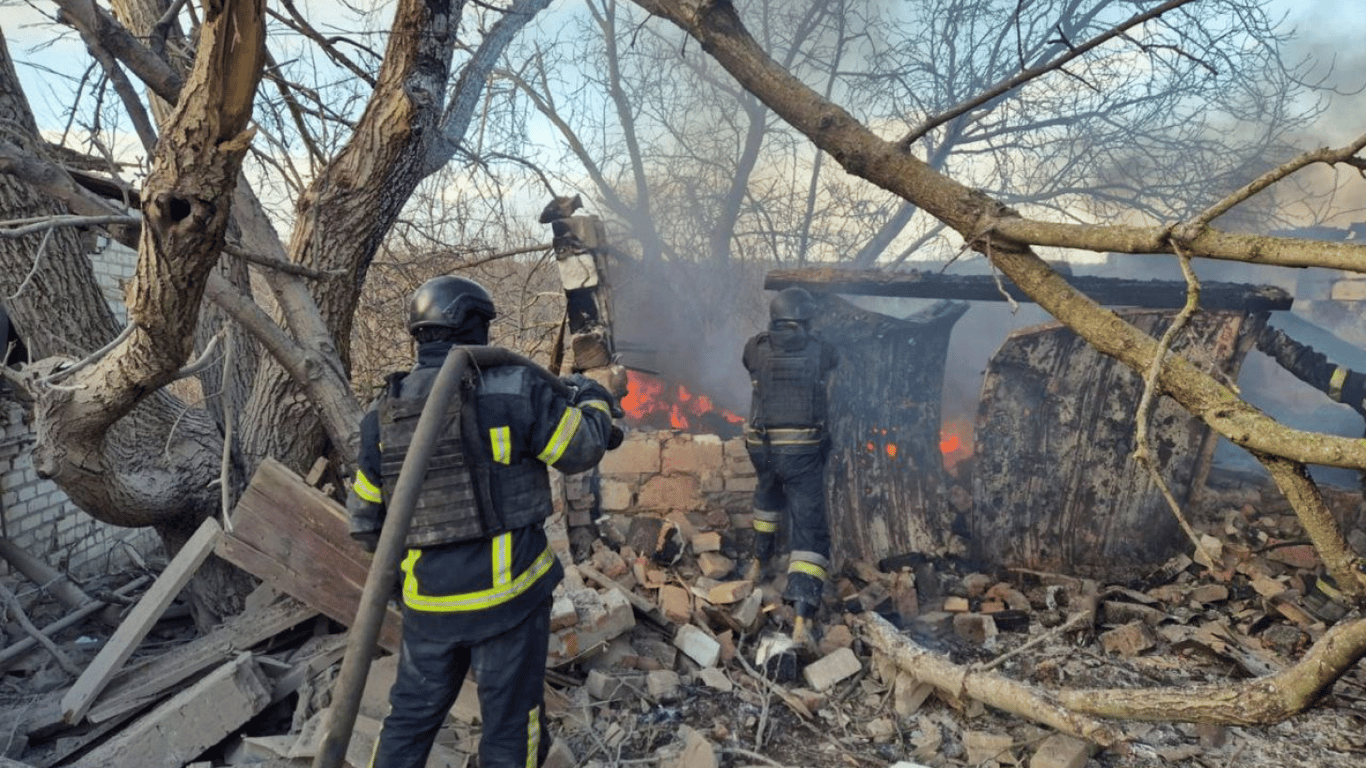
point(789, 367)
point(477, 578)
point(1313, 367)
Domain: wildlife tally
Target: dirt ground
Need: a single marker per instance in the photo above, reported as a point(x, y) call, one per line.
point(749, 715)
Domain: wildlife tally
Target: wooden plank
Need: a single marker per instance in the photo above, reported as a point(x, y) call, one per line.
point(149, 682)
point(1151, 294)
point(294, 537)
point(193, 720)
point(140, 620)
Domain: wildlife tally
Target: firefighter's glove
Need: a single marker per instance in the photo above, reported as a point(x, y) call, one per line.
point(368, 540)
point(615, 437)
point(586, 389)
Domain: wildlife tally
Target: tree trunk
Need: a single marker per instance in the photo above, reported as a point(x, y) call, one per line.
point(885, 475)
point(1054, 484)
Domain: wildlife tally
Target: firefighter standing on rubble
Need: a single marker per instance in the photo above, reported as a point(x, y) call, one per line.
point(789, 367)
point(478, 574)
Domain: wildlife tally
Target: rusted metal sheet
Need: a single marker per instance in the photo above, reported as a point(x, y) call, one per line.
point(1054, 486)
point(885, 476)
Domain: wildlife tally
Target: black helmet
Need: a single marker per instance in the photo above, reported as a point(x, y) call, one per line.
point(792, 304)
point(448, 302)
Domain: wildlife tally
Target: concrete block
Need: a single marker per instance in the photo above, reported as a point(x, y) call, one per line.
point(824, 673)
point(663, 685)
point(706, 541)
point(670, 492)
point(715, 565)
point(617, 495)
point(676, 603)
point(639, 454)
point(974, 627)
point(697, 645)
point(692, 454)
point(983, 746)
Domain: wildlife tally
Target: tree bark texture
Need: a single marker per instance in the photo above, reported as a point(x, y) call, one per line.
point(885, 473)
point(991, 689)
point(1055, 486)
point(1262, 701)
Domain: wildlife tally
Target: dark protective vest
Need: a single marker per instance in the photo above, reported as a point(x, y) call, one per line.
point(464, 495)
point(790, 389)
point(447, 508)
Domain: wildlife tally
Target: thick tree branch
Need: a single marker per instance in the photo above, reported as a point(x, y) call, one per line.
point(312, 370)
point(95, 23)
point(990, 689)
point(1262, 701)
point(186, 212)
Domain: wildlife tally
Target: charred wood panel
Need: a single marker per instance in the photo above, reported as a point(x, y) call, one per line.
point(1054, 484)
point(1114, 292)
point(885, 475)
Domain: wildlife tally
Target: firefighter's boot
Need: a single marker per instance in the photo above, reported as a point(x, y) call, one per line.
point(755, 571)
point(804, 629)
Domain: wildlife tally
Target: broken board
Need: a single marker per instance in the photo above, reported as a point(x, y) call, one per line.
point(294, 537)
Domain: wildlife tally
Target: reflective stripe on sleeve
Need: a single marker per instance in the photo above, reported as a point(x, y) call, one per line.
point(1335, 383)
point(533, 737)
point(601, 405)
point(366, 490)
point(500, 438)
point(810, 569)
point(564, 432)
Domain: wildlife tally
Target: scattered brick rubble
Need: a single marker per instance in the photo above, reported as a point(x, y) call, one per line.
point(662, 655)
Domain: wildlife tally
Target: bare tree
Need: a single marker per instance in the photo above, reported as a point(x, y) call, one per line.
point(108, 432)
point(1008, 239)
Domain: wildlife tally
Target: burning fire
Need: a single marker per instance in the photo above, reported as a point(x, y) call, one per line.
point(649, 401)
point(955, 441)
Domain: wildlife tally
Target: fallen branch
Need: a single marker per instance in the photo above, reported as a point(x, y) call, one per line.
point(1262, 701)
point(993, 690)
point(17, 613)
point(19, 648)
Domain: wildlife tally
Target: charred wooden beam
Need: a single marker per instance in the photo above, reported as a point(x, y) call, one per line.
point(1147, 294)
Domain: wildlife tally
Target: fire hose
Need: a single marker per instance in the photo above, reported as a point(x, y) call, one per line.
point(379, 582)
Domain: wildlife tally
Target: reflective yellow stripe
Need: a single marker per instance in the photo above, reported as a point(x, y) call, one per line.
point(501, 440)
point(765, 526)
point(601, 405)
point(502, 558)
point(810, 569)
point(471, 601)
point(533, 737)
point(366, 490)
point(559, 442)
point(1335, 383)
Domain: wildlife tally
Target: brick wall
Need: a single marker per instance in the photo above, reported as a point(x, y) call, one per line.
point(34, 513)
point(39, 518)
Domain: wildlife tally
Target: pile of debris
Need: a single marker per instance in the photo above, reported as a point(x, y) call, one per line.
point(663, 656)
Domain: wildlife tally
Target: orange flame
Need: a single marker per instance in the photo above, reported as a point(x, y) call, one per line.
point(955, 441)
point(649, 399)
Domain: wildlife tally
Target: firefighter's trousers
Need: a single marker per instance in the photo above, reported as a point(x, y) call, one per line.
point(794, 482)
point(510, 671)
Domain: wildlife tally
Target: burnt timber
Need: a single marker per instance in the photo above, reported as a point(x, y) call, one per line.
point(1108, 291)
